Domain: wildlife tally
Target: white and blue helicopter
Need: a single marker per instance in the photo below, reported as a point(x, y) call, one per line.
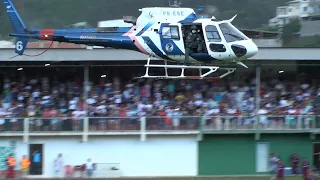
point(171, 34)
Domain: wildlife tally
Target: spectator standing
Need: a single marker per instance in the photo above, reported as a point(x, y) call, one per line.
point(280, 170)
point(89, 168)
point(294, 162)
point(53, 113)
point(11, 164)
point(263, 119)
point(31, 113)
point(36, 161)
point(25, 164)
point(305, 168)
point(58, 164)
point(274, 165)
point(39, 120)
point(77, 117)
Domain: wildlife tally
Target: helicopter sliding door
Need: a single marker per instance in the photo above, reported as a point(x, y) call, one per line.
point(216, 46)
point(194, 39)
point(172, 41)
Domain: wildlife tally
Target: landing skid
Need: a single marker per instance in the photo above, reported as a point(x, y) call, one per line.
point(212, 69)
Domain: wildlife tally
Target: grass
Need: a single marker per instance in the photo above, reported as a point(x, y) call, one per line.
point(180, 178)
point(211, 178)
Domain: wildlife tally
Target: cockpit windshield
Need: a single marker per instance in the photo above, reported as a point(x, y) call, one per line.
point(231, 33)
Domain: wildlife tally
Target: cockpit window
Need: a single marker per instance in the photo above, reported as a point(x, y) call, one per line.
point(170, 32)
point(212, 34)
point(231, 33)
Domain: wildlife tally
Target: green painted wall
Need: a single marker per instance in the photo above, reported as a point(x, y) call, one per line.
point(236, 154)
point(226, 155)
point(285, 144)
point(4, 153)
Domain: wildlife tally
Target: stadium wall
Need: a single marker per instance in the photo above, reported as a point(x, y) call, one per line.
point(285, 144)
point(157, 156)
point(225, 155)
point(241, 154)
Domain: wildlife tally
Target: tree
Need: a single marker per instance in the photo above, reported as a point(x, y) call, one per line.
point(290, 31)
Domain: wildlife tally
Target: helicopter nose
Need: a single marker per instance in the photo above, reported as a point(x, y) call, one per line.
point(252, 49)
point(244, 49)
point(239, 50)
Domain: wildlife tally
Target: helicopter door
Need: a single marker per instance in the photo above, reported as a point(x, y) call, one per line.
point(171, 41)
point(215, 45)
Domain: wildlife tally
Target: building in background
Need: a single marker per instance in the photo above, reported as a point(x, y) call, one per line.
point(301, 9)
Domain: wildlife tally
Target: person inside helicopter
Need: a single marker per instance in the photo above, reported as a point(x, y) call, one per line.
point(200, 42)
point(194, 40)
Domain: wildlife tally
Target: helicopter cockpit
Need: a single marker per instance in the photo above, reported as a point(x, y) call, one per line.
point(231, 33)
point(221, 40)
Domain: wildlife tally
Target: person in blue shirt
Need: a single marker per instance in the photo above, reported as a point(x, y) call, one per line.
point(36, 161)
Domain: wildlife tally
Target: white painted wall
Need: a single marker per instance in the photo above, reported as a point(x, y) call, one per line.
point(158, 156)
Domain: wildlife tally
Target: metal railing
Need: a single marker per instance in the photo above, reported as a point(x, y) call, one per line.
point(163, 123)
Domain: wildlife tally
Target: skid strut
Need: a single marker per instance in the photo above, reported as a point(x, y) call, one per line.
point(212, 69)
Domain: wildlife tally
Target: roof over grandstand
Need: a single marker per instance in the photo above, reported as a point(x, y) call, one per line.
point(73, 52)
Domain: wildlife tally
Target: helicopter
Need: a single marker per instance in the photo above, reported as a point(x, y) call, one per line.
point(172, 34)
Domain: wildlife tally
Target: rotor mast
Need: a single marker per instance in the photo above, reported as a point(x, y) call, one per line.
point(175, 3)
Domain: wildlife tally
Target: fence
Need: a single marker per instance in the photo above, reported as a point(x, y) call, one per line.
point(161, 123)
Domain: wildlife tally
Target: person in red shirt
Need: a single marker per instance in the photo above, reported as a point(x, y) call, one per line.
point(305, 168)
point(294, 163)
point(125, 121)
point(11, 163)
point(280, 171)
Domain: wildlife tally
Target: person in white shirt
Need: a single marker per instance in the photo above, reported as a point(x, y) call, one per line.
point(274, 164)
point(263, 119)
point(58, 164)
point(89, 168)
point(77, 118)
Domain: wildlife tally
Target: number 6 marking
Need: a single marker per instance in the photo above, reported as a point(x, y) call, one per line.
point(19, 46)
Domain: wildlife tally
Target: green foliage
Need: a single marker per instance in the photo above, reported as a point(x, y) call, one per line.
point(269, 28)
point(291, 28)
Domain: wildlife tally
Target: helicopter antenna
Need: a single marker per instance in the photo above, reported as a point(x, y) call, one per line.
point(175, 3)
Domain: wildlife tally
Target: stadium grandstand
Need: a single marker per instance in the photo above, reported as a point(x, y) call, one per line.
point(58, 92)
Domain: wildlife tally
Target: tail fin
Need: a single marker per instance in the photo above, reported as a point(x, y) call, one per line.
point(21, 44)
point(16, 21)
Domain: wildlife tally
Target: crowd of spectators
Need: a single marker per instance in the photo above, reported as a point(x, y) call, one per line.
point(46, 101)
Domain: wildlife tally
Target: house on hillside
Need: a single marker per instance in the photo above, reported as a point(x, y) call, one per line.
point(305, 10)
